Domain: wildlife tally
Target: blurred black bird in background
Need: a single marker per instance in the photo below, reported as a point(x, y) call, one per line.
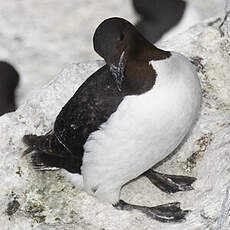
point(158, 16)
point(9, 79)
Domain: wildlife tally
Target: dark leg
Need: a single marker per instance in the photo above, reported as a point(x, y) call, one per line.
point(170, 183)
point(164, 213)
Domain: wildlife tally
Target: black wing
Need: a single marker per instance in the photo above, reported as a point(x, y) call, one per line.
point(93, 103)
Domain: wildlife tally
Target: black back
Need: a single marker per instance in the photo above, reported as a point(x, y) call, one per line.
point(92, 104)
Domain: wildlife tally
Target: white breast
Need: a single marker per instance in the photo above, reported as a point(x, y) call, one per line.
point(143, 130)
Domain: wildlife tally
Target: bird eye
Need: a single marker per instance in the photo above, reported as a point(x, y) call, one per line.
point(122, 36)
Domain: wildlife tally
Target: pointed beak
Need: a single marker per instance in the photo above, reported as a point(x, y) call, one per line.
point(118, 71)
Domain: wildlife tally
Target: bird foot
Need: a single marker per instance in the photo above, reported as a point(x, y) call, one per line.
point(167, 213)
point(170, 183)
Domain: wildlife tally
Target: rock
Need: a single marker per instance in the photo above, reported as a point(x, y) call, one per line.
point(46, 200)
point(224, 220)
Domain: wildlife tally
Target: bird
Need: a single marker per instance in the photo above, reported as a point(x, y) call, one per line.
point(161, 19)
point(9, 79)
point(125, 118)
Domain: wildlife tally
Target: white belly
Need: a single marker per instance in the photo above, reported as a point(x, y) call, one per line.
point(143, 130)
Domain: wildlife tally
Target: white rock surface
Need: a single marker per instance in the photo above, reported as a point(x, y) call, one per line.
point(48, 201)
point(209, 8)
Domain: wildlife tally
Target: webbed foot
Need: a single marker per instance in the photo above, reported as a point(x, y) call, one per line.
point(170, 212)
point(170, 183)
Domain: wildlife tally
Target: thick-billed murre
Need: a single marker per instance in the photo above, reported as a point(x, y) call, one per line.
point(126, 117)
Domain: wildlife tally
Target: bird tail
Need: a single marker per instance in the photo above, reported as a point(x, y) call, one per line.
point(37, 143)
point(48, 154)
point(42, 161)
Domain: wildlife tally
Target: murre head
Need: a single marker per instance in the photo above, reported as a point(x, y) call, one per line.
point(115, 36)
point(120, 43)
point(158, 16)
point(9, 79)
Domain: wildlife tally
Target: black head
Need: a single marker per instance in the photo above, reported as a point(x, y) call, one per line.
point(158, 16)
point(164, 10)
point(122, 46)
point(9, 79)
point(115, 36)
